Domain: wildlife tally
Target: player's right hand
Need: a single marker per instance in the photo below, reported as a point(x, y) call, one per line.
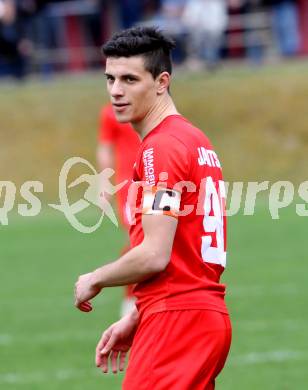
point(114, 345)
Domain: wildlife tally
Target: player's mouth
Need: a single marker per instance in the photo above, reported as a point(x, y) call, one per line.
point(119, 107)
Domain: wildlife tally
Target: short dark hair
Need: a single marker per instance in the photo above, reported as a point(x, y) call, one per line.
point(150, 42)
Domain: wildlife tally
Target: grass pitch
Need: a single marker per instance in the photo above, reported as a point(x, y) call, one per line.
point(46, 344)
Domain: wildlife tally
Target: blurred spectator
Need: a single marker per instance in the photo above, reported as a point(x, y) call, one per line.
point(150, 7)
point(254, 30)
point(169, 19)
point(7, 11)
point(8, 41)
point(235, 41)
point(206, 21)
point(29, 30)
point(285, 24)
point(67, 34)
point(171, 13)
point(43, 31)
point(303, 25)
point(82, 32)
point(13, 46)
point(130, 12)
point(93, 23)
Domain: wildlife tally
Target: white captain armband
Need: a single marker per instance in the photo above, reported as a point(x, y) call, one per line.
point(161, 201)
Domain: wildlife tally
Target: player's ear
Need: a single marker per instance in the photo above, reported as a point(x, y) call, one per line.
point(163, 82)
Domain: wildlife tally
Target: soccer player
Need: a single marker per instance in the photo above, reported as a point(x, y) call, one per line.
point(117, 149)
point(179, 333)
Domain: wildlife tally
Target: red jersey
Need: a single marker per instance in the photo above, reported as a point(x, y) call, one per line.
point(125, 142)
point(192, 277)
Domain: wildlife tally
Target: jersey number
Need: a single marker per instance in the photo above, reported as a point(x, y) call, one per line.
point(213, 247)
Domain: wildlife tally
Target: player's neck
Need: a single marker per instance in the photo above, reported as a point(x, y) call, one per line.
point(164, 107)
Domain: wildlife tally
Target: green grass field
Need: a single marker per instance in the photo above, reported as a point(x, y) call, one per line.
point(46, 343)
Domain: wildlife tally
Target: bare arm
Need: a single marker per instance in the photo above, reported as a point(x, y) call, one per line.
point(145, 260)
point(105, 159)
point(105, 156)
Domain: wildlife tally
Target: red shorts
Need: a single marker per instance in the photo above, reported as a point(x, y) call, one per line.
point(178, 350)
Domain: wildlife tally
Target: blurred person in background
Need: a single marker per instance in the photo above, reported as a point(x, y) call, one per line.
point(206, 21)
point(23, 35)
point(131, 12)
point(254, 30)
point(285, 25)
point(303, 25)
point(43, 33)
point(10, 57)
point(235, 42)
point(169, 19)
point(117, 149)
point(7, 11)
point(8, 42)
point(84, 25)
point(93, 28)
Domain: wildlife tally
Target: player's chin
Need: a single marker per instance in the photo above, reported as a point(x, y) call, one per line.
point(123, 118)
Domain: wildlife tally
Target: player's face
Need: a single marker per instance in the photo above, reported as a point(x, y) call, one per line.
point(132, 89)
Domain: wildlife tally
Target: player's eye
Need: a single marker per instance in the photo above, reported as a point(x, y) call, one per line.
point(130, 79)
point(109, 78)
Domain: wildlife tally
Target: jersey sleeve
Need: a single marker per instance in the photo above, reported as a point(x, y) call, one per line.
point(164, 159)
point(107, 126)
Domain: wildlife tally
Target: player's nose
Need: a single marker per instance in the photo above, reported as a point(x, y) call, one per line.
point(117, 89)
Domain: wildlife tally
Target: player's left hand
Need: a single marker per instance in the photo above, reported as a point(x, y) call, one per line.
point(85, 289)
point(115, 344)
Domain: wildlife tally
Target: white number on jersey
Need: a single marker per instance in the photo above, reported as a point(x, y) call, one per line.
point(213, 223)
